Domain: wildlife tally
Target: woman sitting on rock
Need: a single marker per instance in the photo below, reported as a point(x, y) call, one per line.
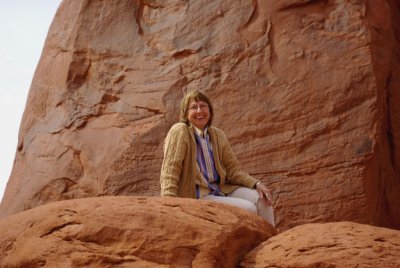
point(199, 162)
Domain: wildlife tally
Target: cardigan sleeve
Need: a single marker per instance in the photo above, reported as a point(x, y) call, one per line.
point(234, 174)
point(175, 147)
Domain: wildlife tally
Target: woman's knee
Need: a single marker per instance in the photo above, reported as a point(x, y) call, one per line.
point(246, 194)
point(234, 201)
point(247, 205)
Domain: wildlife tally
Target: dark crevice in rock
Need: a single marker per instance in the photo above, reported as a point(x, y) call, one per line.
point(252, 17)
point(185, 53)
point(58, 228)
point(289, 4)
point(78, 70)
point(138, 18)
point(273, 57)
point(155, 111)
point(107, 98)
point(389, 131)
point(305, 249)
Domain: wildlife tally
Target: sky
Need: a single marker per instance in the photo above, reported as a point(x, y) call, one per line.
point(23, 29)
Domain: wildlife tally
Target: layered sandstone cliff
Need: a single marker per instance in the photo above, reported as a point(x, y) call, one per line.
point(305, 90)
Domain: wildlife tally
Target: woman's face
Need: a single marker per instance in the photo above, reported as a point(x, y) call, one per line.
point(198, 113)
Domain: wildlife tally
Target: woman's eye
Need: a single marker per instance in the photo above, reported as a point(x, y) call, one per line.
point(201, 106)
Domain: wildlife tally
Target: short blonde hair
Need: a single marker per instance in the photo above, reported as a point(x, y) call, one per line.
point(196, 95)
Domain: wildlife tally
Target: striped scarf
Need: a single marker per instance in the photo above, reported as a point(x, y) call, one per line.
point(206, 164)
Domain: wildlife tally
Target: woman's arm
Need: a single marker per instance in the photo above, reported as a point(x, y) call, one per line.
point(236, 176)
point(233, 172)
point(175, 148)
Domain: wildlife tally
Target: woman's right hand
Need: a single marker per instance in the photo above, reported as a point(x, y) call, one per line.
point(265, 193)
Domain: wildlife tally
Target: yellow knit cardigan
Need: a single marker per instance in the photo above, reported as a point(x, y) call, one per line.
point(179, 172)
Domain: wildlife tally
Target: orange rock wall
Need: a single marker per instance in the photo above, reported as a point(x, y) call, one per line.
point(306, 92)
point(381, 177)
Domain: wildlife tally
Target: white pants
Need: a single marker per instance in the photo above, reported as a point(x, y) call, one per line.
point(248, 199)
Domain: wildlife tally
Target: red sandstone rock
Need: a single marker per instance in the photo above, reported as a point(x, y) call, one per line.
point(306, 91)
point(341, 244)
point(130, 232)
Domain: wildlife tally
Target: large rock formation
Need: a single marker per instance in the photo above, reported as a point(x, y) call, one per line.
point(341, 244)
point(174, 232)
point(305, 91)
point(130, 232)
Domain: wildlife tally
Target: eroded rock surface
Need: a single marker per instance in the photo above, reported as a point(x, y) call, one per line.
point(341, 244)
point(130, 232)
point(306, 91)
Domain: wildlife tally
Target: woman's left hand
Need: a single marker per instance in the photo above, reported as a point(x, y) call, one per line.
point(265, 193)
